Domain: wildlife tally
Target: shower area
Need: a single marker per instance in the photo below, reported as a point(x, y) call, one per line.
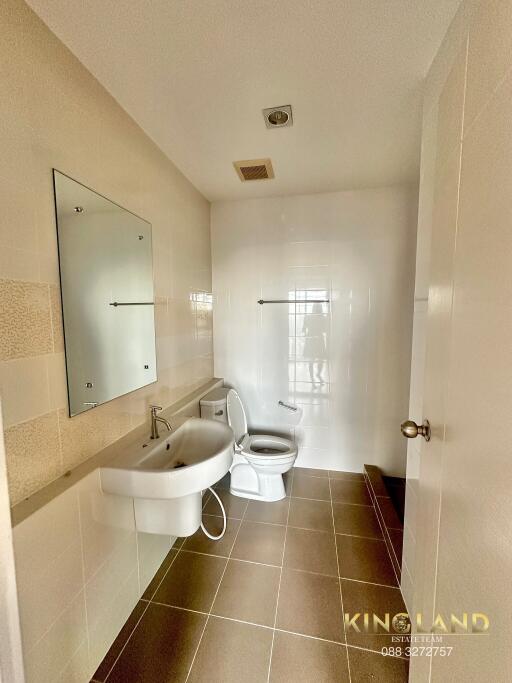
point(313, 299)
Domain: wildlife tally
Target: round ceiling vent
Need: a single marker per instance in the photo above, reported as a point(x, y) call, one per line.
point(278, 117)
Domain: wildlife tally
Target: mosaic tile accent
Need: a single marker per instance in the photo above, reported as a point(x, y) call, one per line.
point(25, 320)
point(84, 435)
point(33, 455)
point(57, 324)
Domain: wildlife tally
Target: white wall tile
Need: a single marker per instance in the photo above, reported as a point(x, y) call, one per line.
point(152, 549)
point(113, 573)
point(54, 651)
point(356, 249)
point(107, 624)
point(46, 591)
point(82, 528)
point(41, 538)
point(78, 670)
point(107, 522)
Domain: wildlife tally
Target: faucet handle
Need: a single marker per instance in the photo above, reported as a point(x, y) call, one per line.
point(154, 409)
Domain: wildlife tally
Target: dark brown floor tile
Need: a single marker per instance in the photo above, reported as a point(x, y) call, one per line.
point(310, 604)
point(223, 483)
point(162, 647)
point(155, 581)
point(311, 487)
point(349, 476)
point(248, 592)
point(366, 667)
point(288, 479)
point(231, 652)
point(115, 649)
point(397, 541)
point(234, 506)
point(303, 660)
point(260, 543)
point(395, 487)
point(366, 598)
point(202, 544)
point(310, 514)
point(313, 551)
point(354, 492)
point(273, 513)
point(309, 471)
point(191, 582)
point(376, 481)
point(388, 513)
point(364, 559)
point(356, 520)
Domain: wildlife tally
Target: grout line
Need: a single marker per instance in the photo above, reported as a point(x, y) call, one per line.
point(280, 630)
point(163, 577)
point(368, 538)
point(278, 566)
point(305, 571)
point(359, 505)
point(216, 592)
point(339, 585)
point(339, 644)
point(182, 609)
point(383, 529)
point(140, 618)
point(217, 616)
point(280, 581)
point(317, 500)
point(370, 583)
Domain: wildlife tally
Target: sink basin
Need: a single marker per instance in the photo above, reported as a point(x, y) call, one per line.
point(166, 477)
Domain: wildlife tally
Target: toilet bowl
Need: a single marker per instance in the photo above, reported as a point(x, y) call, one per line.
point(260, 460)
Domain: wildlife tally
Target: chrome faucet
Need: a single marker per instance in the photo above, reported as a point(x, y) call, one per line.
point(155, 419)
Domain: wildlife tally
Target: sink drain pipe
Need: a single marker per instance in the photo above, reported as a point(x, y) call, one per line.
point(216, 538)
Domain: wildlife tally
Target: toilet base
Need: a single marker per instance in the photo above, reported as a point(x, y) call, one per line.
point(246, 483)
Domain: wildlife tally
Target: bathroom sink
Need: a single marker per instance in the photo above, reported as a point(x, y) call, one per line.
point(190, 459)
point(166, 477)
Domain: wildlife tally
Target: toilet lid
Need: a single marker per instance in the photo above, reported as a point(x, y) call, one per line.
point(236, 415)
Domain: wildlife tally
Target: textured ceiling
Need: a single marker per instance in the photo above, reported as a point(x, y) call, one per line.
point(195, 75)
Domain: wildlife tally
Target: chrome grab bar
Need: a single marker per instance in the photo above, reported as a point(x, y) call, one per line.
point(287, 406)
point(293, 301)
point(132, 303)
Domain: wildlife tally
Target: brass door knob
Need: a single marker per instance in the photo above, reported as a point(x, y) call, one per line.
point(411, 430)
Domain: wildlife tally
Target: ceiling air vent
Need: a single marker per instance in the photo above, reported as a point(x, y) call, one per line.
point(254, 169)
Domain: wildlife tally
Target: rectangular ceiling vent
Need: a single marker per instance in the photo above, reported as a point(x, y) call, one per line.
point(254, 169)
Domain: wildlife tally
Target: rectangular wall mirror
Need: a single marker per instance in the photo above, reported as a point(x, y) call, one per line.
point(106, 273)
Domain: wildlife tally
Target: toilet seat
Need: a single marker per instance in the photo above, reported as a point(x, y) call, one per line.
point(267, 448)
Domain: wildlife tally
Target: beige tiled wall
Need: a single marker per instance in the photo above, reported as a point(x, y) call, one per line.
point(53, 113)
point(81, 567)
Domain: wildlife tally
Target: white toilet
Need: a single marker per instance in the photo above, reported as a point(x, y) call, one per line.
point(260, 460)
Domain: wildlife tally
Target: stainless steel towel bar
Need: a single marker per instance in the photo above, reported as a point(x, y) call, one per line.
point(288, 406)
point(293, 301)
point(132, 303)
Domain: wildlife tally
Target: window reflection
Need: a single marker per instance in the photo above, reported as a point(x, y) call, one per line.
point(308, 344)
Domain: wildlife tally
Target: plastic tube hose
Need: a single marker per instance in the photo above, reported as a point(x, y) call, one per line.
point(217, 538)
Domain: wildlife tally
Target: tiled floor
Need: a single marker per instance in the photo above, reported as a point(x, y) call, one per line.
point(266, 603)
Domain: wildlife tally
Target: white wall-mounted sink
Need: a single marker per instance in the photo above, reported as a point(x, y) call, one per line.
point(166, 477)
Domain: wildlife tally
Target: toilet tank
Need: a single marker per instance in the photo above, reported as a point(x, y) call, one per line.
point(213, 404)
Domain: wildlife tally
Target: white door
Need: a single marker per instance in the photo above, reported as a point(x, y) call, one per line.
point(464, 516)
